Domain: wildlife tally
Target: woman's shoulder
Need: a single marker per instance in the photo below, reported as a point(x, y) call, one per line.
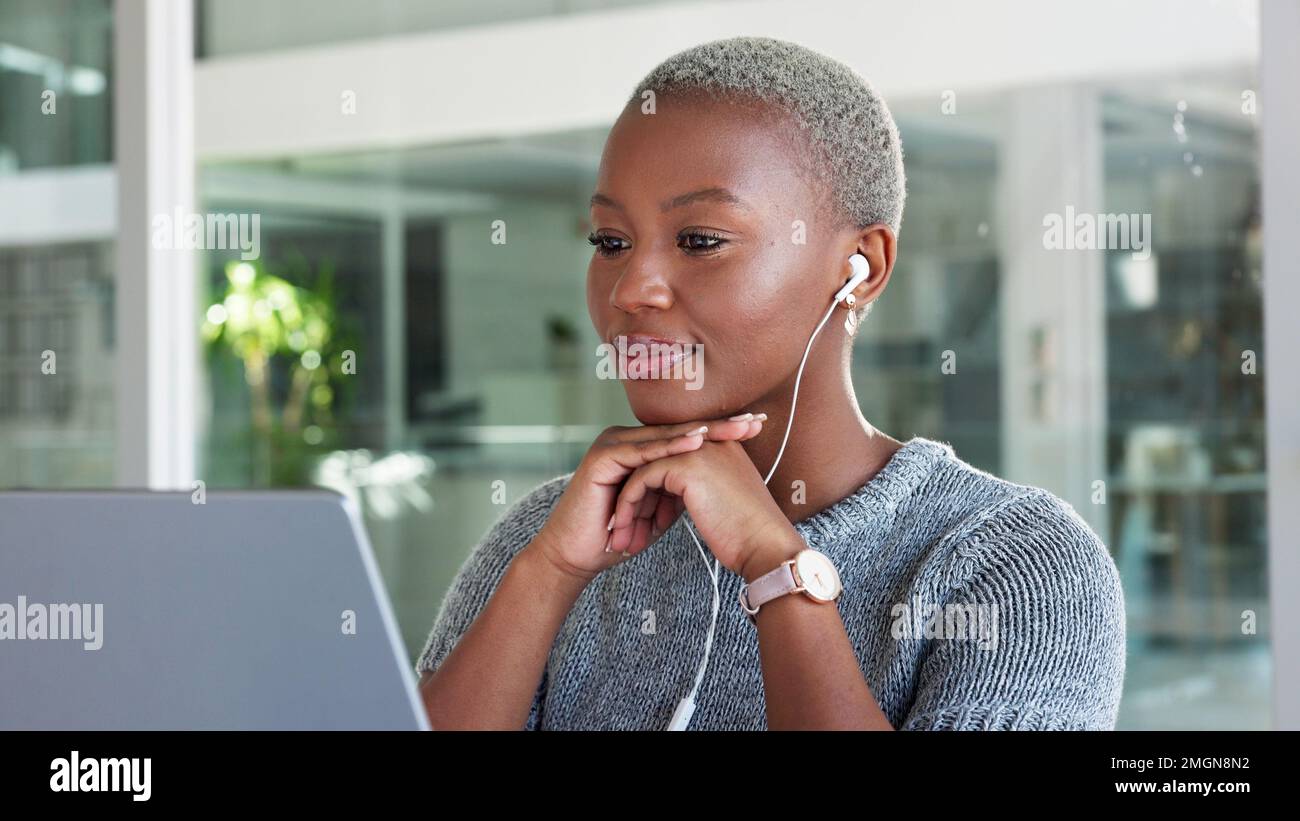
point(523, 518)
point(1026, 551)
point(485, 566)
point(980, 515)
point(1023, 534)
point(539, 500)
point(1040, 531)
point(511, 531)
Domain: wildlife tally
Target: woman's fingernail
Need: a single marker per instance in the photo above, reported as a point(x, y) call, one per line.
point(760, 417)
point(608, 540)
point(699, 430)
point(744, 417)
point(624, 554)
point(610, 526)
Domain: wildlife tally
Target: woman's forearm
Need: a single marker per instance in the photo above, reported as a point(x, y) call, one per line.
point(489, 679)
point(811, 677)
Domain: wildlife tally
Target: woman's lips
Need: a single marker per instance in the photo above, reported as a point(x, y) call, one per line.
point(651, 357)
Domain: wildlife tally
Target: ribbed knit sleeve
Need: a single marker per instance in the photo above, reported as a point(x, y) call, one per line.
point(1054, 594)
point(479, 576)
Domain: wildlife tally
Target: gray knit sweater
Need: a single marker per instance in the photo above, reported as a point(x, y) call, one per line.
point(971, 603)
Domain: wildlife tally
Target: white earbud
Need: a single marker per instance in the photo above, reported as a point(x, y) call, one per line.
point(861, 273)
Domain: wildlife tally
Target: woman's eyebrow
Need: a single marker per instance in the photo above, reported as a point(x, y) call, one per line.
point(720, 195)
point(600, 199)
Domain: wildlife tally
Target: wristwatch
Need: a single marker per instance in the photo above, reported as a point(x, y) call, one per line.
point(810, 572)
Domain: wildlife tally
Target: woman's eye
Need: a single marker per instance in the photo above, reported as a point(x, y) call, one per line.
point(696, 241)
point(606, 245)
point(693, 242)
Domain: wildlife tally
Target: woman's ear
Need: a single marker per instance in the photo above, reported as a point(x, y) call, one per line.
point(877, 243)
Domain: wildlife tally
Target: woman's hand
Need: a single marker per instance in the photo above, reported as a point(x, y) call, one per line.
point(575, 536)
point(722, 490)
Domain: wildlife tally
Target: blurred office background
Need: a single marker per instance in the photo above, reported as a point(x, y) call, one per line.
point(472, 379)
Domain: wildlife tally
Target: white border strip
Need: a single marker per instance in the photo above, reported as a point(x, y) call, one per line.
point(1279, 110)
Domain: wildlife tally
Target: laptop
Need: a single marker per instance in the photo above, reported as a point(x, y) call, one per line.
point(138, 610)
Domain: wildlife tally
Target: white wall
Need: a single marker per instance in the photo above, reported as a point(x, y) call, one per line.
point(561, 73)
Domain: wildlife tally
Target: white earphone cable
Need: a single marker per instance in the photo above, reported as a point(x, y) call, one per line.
point(686, 707)
point(795, 399)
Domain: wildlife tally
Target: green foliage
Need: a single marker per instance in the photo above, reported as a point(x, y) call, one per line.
point(273, 326)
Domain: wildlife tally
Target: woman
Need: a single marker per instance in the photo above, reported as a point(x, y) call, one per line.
point(735, 186)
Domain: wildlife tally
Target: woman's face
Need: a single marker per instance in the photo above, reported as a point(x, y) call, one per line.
point(697, 216)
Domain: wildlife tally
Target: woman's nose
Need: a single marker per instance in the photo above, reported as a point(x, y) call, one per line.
point(641, 285)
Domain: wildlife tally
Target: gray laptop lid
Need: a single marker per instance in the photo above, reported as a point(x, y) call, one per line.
point(148, 611)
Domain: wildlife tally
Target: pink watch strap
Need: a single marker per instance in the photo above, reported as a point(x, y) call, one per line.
point(770, 585)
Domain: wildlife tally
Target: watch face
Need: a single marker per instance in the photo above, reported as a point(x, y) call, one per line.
point(818, 576)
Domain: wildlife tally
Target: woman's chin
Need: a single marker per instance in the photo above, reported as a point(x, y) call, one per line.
point(661, 404)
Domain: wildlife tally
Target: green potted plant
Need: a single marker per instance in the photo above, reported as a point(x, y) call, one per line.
point(285, 336)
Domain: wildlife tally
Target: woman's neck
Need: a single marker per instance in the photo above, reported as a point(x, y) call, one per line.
point(832, 451)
